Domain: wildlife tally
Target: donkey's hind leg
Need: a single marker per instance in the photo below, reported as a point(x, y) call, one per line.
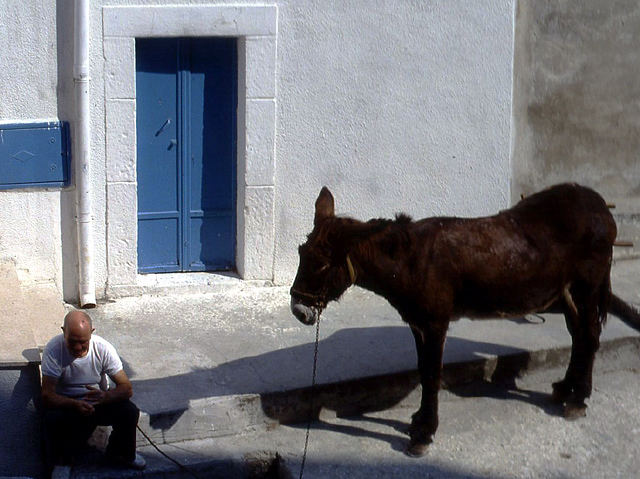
point(563, 389)
point(584, 326)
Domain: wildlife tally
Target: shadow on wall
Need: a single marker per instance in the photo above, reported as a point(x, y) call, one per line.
point(360, 369)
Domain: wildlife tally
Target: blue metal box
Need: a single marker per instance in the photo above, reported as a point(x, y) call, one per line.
point(34, 155)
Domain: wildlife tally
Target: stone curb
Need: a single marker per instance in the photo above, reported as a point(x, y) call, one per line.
point(231, 415)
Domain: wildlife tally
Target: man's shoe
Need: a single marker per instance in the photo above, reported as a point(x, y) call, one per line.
point(138, 462)
point(61, 472)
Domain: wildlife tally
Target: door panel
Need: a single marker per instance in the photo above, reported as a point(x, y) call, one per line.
point(158, 162)
point(212, 64)
point(158, 255)
point(214, 232)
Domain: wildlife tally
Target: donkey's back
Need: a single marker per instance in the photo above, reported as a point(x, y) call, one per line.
point(524, 258)
point(568, 213)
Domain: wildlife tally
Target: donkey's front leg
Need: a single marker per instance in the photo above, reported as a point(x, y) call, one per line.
point(424, 423)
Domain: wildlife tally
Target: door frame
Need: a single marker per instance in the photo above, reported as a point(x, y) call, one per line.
point(255, 28)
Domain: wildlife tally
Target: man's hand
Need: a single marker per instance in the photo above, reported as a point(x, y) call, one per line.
point(121, 392)
point(52, 399)
point(95, 396)
point(84, 408)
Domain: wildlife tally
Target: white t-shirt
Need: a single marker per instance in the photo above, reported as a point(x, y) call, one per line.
point(74, 374)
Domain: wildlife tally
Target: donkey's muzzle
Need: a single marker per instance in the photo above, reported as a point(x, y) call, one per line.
point(305, 314)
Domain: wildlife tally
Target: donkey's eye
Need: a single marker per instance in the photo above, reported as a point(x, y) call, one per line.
point(323, 268)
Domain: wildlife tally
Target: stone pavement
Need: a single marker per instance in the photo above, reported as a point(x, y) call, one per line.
point(486, 431)
point(236, 362)
point(233, 361)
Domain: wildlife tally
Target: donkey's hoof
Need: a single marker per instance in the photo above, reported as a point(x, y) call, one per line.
point(417, 449)
point(573, 411)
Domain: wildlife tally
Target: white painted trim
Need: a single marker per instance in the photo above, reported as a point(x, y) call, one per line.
point(256, 30)
point(190, 21)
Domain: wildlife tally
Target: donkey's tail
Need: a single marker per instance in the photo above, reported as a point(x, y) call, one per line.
point(626, 312)
point(604, 300)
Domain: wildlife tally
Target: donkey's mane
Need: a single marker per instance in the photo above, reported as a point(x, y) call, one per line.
point(393, 229)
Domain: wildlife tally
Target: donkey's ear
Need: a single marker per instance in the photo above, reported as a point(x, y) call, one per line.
point(324, 206)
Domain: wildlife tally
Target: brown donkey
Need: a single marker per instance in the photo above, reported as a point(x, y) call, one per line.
point(552, 249)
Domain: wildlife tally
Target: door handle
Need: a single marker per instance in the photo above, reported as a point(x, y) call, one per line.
point(173, 142)
point(164, 125)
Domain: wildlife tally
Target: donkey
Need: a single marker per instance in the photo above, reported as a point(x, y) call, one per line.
point(551, 250)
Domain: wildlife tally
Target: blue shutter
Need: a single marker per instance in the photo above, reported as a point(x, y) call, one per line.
point(34, 155)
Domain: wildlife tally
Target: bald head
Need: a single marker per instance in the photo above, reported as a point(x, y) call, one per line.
point(77, 319)
point(77, 330)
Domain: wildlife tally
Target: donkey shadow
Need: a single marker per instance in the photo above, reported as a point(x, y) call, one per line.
point(360, 370)
point(465, 379)
point(365, 425)
point(500, 386)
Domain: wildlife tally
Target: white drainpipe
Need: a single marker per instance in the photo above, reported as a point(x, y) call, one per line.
point(82, 157)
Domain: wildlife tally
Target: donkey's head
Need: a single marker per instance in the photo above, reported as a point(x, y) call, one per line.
point(325, 270)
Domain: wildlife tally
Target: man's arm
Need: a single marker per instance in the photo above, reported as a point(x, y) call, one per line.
point(50, 398)
point(121, 392)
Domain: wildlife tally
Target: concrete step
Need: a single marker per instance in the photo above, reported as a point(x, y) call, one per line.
point(219, 363)
point(225, 363)
point(193, 459)
point(235, 414)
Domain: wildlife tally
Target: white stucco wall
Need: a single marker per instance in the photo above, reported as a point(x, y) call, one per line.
point(395, 105)
point(30, 233)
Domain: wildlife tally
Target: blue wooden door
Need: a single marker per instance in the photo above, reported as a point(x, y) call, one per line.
point(186, 124)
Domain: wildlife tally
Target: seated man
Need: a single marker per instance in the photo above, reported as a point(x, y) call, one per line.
point(75, 366)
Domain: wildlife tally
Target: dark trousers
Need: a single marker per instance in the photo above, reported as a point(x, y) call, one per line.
point(66, 430)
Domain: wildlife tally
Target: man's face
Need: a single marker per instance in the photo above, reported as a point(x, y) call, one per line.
point(77, 341)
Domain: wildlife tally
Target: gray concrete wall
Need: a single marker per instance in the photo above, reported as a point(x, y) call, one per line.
point(577, 101)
